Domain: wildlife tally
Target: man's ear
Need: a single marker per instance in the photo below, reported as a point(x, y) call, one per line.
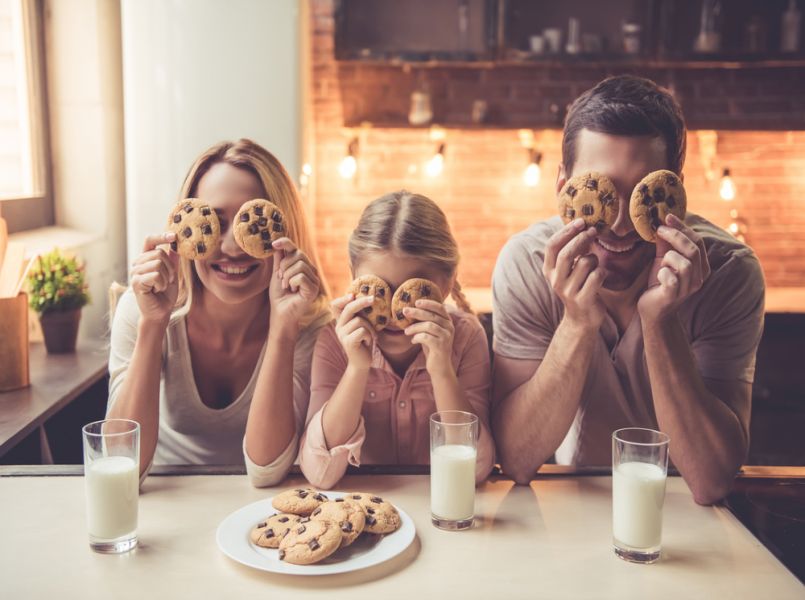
point(561, 178)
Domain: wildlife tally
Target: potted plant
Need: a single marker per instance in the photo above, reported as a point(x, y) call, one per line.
point(58, 291)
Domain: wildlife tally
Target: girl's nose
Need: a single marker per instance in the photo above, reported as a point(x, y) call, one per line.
point(228, 244)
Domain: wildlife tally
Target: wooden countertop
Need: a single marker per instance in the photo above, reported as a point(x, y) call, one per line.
point(551, 539)
point(56, 380)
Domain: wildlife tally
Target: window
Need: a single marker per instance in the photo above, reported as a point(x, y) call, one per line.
point(24, 193)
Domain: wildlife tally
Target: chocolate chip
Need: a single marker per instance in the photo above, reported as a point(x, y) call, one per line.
point(313, 544)
point(426, 290)
point(339, 499)
point(177, 218)
point(258, 210)
point(206, 229)
point(346, 527)
point(205, 210)
point(376, 499)
point(370, 520)
point(267, 246)
point(405, 297)
point(600, 224)
point(269, 533)
point(201, 248)
point(382, 320)
point(277, 227)
point(254, 229)
point(365, 289)
point(302, 493)
point(283, 519)
point(301, 529)
point(244, 217)
point(591, 184)
point(320, 497)
point(262, 221)
point(607, 198)
point(570, 213)
point(356, 497)
point(187, 232)
point(367, 310)
point(654, 213)
point(643, 189)
point(174, 246)
point(659, 195)
point(261, 525)
point(276, 216)
point(370, 510)
point(188, 208)
point(647, 201)
point(400, 315)
point(670, 202)
point(571, 191)
point(381, 292)
point(316, 512)
point(282, 555)
point(265, 234)
point(587, 210)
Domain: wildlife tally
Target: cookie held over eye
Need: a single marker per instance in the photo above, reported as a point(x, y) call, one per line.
point(379, 313)
point(658, 194)
point(197, 229)
point(407, 294)
point(257, 225)
point(592, 197)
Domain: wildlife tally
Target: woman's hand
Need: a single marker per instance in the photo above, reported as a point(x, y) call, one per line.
point(434, 331)
point(153, 278)
point(355, 333)
point(294, 284)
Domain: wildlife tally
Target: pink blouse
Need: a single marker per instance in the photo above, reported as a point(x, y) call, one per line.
point(394, 425)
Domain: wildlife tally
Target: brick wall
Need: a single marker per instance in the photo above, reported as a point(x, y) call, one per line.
point(481, 188)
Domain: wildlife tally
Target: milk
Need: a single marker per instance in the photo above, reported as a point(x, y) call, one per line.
point(111, 485)
point(638, 491)
point(452, 482)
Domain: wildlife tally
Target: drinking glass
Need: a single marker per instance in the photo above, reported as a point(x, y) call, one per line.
point(453, 449)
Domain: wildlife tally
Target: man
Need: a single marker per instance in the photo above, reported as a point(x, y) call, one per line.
point(598, 332)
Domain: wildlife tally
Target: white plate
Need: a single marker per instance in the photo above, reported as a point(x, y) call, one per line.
point(368, 550)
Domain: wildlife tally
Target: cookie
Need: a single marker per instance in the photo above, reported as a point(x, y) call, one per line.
point(379, 313)
point(298, 501)
point(347, 514)
point(592, 197)
point(381, 516)
point(407, 294)
point(309, 542)
point(658, 194)
point(257, 224)
point(270, 531)
point(198, 232)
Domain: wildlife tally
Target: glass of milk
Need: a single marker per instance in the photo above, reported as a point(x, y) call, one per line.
point(639, 469)
point(453, 448)
point(111, 482)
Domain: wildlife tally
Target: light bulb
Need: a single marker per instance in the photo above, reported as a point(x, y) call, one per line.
point(307, 169)
point(727, 188)
point(532, 174)
point(348, 167)
point(435, 165)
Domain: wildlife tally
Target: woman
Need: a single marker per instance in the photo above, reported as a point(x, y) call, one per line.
point(209, 352)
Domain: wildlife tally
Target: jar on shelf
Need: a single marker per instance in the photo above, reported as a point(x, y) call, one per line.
point(631, 38)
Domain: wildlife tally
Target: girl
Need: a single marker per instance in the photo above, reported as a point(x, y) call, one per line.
point(372, 393)
point(205, 351)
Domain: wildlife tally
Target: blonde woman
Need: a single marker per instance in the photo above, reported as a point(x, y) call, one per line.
point(212, 356)
point(372, 394)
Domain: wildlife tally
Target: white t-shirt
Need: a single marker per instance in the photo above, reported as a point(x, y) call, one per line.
point(190, 432)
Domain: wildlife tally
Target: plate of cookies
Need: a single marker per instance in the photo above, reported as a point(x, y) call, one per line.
point(304, 532)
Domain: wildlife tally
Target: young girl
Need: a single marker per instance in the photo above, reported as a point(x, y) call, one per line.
point(372, 393)
point(212, 356)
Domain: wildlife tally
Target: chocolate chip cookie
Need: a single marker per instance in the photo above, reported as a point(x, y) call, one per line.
point(379, 313)
point(270, 531)
point(381, 516)
point(298, 501)
point(347, 514)
point(407, 294)
point(658, 194)
point(198, 232)
point(257, 225)
point(592, 197)
point(309, 542)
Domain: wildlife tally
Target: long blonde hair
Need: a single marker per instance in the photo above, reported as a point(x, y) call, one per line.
point(413, 224)
point(278, 187)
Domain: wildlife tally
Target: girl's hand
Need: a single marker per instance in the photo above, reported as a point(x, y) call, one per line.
point(294, 284)
point(153, 279)
point(355, 333)
point(434, 332)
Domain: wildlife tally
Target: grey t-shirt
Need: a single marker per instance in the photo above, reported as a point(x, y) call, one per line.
point(723, 321)
point(190, 432)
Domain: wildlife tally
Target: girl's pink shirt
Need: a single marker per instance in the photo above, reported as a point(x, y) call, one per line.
point(394, 427)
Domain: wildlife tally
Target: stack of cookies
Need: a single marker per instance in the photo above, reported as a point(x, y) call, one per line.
point(310, 527)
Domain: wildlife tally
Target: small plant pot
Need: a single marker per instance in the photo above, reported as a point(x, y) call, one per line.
point(60, 330)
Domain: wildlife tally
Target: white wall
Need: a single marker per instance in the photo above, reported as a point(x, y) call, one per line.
point(196, 72)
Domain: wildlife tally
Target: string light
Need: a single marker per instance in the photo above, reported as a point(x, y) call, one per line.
point(533, 172)
point(435, 165)
point(304, 177)
point(349, 164)
point(727, 188)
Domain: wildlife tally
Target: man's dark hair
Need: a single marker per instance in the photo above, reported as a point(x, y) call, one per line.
point(629, 106)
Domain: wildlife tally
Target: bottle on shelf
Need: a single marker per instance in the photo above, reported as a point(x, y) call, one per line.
point(790, 28)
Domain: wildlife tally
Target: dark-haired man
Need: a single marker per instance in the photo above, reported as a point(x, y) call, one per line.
point(597, 332)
